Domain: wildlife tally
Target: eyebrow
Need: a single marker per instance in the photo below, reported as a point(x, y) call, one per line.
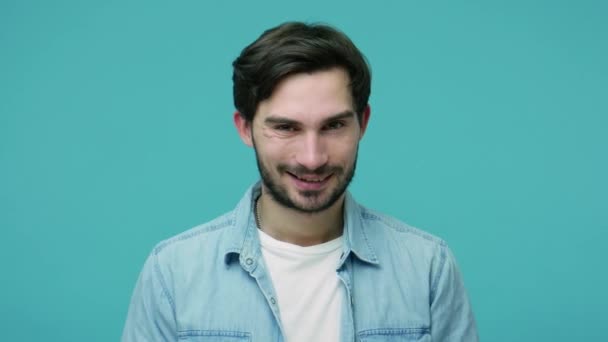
point(276, 119)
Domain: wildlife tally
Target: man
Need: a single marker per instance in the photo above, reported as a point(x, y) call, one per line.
point(298, 259)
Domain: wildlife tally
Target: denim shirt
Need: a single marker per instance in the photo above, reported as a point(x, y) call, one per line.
point(210, 284)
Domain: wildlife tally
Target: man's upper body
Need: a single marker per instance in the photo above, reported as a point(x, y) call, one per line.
point(211, 283)
point(298, 260)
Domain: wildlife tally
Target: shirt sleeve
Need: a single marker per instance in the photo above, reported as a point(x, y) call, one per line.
point(151, 315)
point(451, 313)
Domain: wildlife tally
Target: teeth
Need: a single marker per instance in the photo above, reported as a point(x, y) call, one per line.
point(310, 180)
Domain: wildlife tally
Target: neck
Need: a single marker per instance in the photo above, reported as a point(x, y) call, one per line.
point(303, 229)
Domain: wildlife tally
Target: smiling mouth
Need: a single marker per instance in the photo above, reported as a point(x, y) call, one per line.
point(310, 179)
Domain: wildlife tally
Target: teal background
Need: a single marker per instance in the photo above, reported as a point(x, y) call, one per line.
point(488, 129)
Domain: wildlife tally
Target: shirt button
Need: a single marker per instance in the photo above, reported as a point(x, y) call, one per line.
point(273, 301)
point(249, 261)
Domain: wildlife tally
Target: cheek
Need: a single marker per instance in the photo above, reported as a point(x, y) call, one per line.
point(273, 154)
point(284, 150)
point(344, 151)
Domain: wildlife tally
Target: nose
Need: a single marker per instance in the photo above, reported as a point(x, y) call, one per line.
point(312, 153)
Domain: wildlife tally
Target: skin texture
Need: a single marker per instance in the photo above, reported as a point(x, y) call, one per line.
point(306, 137)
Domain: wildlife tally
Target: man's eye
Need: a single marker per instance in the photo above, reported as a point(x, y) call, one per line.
point(286, 128)
point(334, 125)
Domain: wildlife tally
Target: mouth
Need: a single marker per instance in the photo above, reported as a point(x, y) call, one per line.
point(310, 182)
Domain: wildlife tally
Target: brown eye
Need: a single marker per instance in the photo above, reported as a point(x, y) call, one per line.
point(285, 128)
point(335, 125)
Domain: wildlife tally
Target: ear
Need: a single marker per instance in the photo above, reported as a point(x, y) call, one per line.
point(243, 127)
point(364, 120)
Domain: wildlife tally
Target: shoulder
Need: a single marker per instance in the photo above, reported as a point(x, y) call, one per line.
point(393, 239)
point(418, 251)
point(382, 224)
point(200, 241)
point(186, 258)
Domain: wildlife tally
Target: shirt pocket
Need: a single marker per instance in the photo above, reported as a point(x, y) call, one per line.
point(420, 334)
point(213, 336)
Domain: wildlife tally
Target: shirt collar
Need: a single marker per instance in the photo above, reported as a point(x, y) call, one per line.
point(242, 240)
point(356, 233)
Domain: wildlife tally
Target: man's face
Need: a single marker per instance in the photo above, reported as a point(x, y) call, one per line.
point(306, 137)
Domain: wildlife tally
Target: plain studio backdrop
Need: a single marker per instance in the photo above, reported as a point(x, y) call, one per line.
point(489, 129)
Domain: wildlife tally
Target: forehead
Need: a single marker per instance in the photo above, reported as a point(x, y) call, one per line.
point(309, 97)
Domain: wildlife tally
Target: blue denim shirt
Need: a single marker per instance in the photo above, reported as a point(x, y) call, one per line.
point(210, 284)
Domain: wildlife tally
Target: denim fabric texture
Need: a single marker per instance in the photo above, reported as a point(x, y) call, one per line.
point(210, 284)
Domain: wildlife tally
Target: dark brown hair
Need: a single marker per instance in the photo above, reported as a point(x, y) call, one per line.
point(291, 48)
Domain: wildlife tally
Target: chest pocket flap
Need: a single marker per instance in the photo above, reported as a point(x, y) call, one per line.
point(420, 334)
point(213, 336)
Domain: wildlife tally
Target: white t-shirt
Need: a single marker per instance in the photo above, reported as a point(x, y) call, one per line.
point(308, 289)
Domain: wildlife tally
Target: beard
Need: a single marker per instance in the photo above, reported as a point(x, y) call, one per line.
point(314, 201)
